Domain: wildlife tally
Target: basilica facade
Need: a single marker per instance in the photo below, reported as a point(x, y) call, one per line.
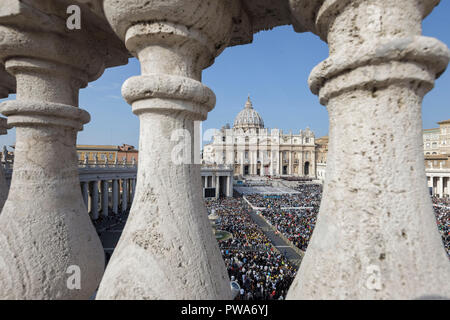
point(252, 149)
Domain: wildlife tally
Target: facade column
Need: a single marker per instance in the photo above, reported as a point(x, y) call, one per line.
point(124, 195)
point(262, 166)
point(115, 196)
point(53, 231)
point(271, 163)
point(105, 197)
point(280, 163)
point(85, 193)
point(94, 199)
point(290, 166)
point(301, 164)
point(167, 250)
point(255, 163)
point(376, 236)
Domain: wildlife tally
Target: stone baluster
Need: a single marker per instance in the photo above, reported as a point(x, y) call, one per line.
point(167, 250)
point(376, 235)
point(45, 231)
point(3, 184)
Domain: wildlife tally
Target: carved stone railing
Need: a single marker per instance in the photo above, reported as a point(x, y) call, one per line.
point(365, 245)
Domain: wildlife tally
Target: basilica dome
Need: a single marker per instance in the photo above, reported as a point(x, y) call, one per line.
point(248, 118)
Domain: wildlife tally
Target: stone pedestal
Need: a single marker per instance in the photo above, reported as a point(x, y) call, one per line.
point(167, 249)
point(376, 235)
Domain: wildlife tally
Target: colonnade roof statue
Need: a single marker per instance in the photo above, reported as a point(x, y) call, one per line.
point(375, 237)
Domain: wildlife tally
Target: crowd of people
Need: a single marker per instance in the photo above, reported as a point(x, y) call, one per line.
point(296, 225)
point(251, 260)
point(442, 211)
point(262, 272)
point(309, 196)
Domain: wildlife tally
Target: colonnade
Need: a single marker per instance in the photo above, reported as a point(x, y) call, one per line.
point(103, 196)
point(375, 237)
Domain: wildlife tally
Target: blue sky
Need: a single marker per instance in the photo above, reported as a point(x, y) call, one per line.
point(273, 69)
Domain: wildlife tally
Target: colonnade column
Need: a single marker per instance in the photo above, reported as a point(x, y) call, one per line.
point(376, 235)
point(94, 200)
point(167, 250)
point(242, 162)
point(291, 164)
point(105, 197)
point(44, 226)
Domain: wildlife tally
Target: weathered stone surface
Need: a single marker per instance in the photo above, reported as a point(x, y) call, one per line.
point(167, 249)
point(376, 236)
